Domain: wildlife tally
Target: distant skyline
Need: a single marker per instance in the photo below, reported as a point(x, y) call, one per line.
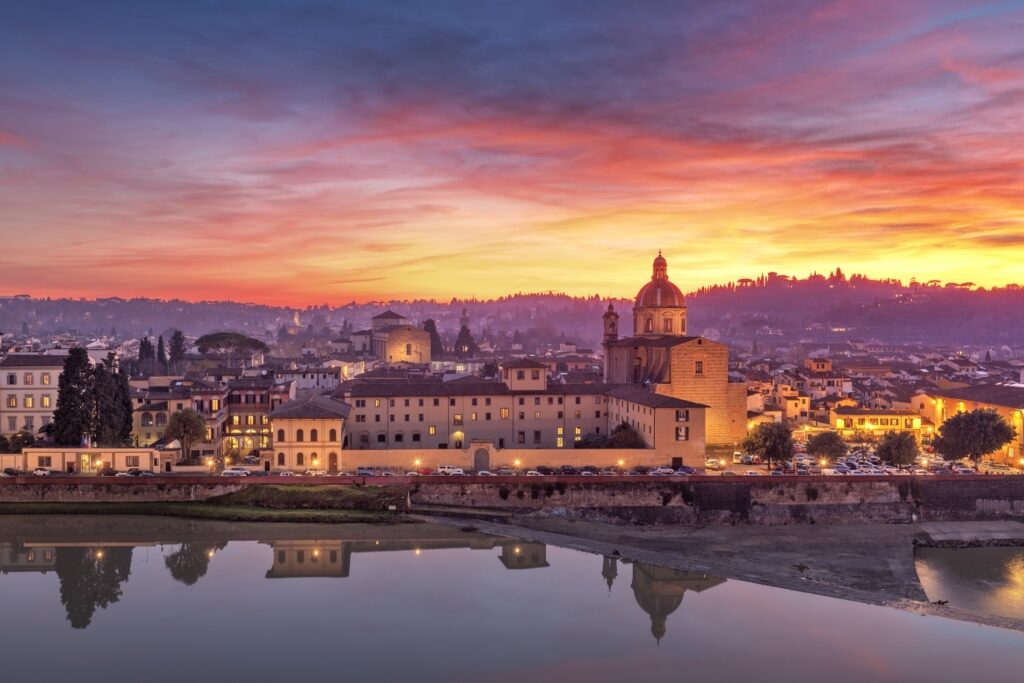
point(296, 153)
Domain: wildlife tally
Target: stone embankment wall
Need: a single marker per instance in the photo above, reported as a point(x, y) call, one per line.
point(770, 501)
point(111, 490)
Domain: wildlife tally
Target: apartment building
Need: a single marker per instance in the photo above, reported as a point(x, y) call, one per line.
point(28, 391)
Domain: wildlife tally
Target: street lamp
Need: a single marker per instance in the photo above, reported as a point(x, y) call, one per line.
point(517, 463)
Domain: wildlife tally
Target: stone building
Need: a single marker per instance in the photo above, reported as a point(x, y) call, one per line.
point(307, 435)
point(660, 356)
point(28, 391)
point(1007, 400)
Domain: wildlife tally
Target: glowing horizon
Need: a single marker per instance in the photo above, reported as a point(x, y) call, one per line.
point(297, 155)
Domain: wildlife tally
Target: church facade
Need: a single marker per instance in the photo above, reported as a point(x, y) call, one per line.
point(660, 355)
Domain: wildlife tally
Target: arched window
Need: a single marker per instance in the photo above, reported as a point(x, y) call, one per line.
point(147, 420)
point(161, 419)
point(416, 436)
point(648, 325)
point(280, 459)
point(280, 435)
point(408, 349)
point(300, 459)
point(299, 435)
point(313, 435)
point(333, 435)
point(399, 437)
point(382, 437)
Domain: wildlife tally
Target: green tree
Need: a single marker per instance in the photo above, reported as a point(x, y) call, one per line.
point(188, 427)
point(161, 354)
point(436, 346)
point(5, 445)
point(897, 448)
point(828, 445)
point(20, 441)
point(230, 344)
point(773, 441)
point(72, 418)
point(973, 435)
point(465, 345)
point(592, 441)
point(177, 350)
point(110, 396)
point(624, 436)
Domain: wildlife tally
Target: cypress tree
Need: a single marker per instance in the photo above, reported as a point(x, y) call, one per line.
point(177, 350)
point(72, 417)
point(436, 347)
point(161, 353)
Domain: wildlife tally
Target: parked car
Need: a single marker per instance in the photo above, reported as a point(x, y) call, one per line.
point(506, 472)
point(730, 473)
point(108, 472)
point(412, 474)
point(13, 472)
point(714, 464)
point(686, 471)
point(235, 472)
point(533, 473)
point(41, 471)
point(568, 470)
point(448, 469)
point(314, 473)
point(484, 473)
point(365, 472)
point(588, 473)
point(752, 473)
point(663, 471)
point(285, 473)
point(545, 470)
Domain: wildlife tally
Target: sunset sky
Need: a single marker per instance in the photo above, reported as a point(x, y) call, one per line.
point(294, 153)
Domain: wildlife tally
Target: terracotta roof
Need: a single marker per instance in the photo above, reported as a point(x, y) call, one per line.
point(32, 360)
point(389, 315)
point(524, 363)
point(314, 407)
point(847, 410)
point(667, 341)
point(1008, 395)
point(650, 399)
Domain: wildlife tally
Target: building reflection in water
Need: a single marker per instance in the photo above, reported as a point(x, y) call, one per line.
point(659, 590)
point(91, 575)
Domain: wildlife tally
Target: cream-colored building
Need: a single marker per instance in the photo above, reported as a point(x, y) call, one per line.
point(1006, 399)
point(28, 391)
point(307, 435)
point(662, 357)
point(90, 460)
point(850, 422)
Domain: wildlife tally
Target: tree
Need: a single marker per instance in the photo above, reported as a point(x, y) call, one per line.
point(5, 445)
point(897, 448)
point(828, 445)
point(229, 343)
point(161, 354)
point(465, 345)
point(592, 441)
point(624, 436)
point(110, 398)
point(972, 435)
point(188, 427)
point(90, 579)
point(436, 346)
point(773, 441)
point(20, 441)
point(189, 563)
point(177, 350)
point(72, 418)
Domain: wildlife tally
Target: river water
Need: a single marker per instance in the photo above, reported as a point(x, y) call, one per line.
point(143, 599)
point(986, 580)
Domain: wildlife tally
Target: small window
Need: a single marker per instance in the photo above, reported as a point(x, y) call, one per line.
point(313, 435)
point(280, 459)
point(698, 368)
point(280, 435)
point(300, 459)
point(333, 435)
point(300, 435)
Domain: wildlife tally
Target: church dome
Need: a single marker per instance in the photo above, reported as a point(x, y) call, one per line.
point(659, 292)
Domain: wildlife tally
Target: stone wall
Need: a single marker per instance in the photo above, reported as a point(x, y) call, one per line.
point(110, 489)
point(770, 501)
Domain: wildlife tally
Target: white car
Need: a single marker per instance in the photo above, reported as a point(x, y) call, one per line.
point(41, 471)
point(285, 473)
point(663, 471)
point(315, 473)
point(714, 464)
point(484, 473)
point(448, 469)
point(753, 473)
point(412, 474)
point(235, 472)
point(534, 473)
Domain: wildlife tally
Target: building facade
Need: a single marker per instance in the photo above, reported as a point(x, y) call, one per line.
point(28, 391)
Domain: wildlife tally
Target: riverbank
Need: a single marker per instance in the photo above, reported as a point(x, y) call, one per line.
point(868, 563)
point(306, 504)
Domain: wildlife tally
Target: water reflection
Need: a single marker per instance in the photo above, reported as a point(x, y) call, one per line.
point(92, 574)
point(987, 580)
